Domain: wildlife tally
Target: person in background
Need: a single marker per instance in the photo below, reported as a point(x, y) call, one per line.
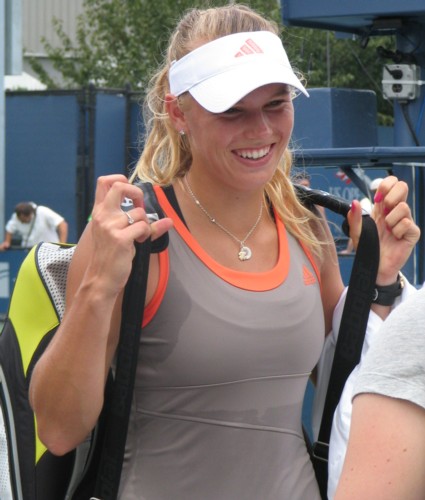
point(304, 179)
point(386, 448)
point(237, 307)
point(31, 224)
point(367, 206)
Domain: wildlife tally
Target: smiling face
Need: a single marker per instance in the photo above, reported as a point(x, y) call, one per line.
point(243, 145)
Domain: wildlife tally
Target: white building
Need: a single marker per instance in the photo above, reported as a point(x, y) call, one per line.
point(27, 22)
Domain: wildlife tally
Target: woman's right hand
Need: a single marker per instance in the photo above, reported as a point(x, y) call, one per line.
point(113, 236)
point(72, 372)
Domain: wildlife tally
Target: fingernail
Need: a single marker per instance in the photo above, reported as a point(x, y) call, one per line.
point(378, 197)
point(353, 208)
point(386, 211)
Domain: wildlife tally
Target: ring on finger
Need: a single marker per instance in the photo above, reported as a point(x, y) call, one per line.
point(129, 218)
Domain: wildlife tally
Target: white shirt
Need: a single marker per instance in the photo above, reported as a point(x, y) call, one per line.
point(44, 227)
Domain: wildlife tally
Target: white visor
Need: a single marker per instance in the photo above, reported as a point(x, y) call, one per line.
point(222, 72)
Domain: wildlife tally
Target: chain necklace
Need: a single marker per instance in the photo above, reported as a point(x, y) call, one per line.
point(245, 253)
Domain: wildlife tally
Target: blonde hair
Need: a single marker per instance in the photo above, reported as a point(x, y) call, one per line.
point(166, 155)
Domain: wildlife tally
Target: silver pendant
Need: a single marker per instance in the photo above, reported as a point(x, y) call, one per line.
point(244, 253)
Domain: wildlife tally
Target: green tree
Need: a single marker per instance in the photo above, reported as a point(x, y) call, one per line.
point(120, 42)
point(328, 60)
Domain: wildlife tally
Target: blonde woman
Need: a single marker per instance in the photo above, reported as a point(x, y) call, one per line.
point(237, 307)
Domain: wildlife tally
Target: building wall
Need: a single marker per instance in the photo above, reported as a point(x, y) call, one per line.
point(37, 18)
point(37, 22)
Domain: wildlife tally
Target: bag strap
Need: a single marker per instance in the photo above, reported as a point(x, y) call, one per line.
point(352, 329)
point(118, 413)
point(353, 325)
point(25, 245)
point(355, 315)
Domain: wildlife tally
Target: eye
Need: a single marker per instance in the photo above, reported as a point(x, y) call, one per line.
point(280, 102)
point(231, 111)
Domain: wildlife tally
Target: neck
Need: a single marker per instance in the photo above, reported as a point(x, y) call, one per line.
point(244, 252)
point(229, 203)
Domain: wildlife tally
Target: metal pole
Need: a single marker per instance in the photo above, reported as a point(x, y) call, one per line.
point(13, 30)
point(2, 117)
point(328, 58)
point(409, 130)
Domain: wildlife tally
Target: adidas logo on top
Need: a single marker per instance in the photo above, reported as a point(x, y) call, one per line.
point(308, 277)
point(249, 47)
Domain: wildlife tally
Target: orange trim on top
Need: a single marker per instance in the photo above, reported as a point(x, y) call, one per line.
point(257, 282)
point(155, 302)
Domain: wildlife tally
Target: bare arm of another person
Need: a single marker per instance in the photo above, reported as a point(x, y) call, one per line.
point(62, 229)
point(67, 385)
point(386, 451)
point(7, 241)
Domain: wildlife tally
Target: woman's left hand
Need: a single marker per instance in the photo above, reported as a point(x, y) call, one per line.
point(398, 233)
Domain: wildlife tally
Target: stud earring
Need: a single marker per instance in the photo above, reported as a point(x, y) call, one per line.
point(182, 132)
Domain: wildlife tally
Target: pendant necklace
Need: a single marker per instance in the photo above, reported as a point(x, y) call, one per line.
point(245, 253)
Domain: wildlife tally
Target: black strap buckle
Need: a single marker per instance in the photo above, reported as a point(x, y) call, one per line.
point(321, 451)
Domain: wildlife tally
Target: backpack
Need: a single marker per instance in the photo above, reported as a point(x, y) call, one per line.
point(36, 308)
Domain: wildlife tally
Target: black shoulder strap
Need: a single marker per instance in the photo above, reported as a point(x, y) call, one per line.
point(117, 417)
point(353, 322)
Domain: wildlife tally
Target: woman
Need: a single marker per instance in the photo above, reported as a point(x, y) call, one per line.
point(239, 305)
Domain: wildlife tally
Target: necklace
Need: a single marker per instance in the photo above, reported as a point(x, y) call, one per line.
point(245, 253)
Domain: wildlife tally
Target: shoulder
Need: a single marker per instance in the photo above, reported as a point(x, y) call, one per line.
point(394, 365)
point(48, 213)
point(407, 321)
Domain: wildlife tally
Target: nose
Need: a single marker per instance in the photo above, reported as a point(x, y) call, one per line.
point(258, 125)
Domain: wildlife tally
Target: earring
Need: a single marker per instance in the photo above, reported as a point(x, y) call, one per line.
point(182, 132)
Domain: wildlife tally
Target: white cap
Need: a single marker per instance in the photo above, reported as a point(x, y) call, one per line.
point(222, 72)
point(374, 185)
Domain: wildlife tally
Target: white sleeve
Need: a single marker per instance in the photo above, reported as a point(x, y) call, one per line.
point(11, 224)
point(342, 417)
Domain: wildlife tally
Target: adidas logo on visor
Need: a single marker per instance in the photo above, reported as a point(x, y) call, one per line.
point(249, 47)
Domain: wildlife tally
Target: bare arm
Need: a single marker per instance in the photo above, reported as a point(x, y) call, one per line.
point(62, 230)
point(386, 451)
point(7, 241)
point(331, 281)
point(67, 384)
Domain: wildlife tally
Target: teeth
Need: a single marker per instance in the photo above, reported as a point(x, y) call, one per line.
point(254, 154)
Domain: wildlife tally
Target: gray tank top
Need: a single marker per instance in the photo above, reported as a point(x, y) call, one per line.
point(222, 372)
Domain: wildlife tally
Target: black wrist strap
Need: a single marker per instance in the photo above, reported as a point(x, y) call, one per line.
point(386, 295)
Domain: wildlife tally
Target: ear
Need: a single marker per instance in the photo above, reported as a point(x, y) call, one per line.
point(175, 113)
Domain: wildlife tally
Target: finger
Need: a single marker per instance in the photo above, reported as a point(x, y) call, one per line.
point(160, 227)
point(112, 190)
point(385, 187)
point(400, 223)
point(392, 193)
point(354, 218)
point(407, 230)
point(104, 184)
